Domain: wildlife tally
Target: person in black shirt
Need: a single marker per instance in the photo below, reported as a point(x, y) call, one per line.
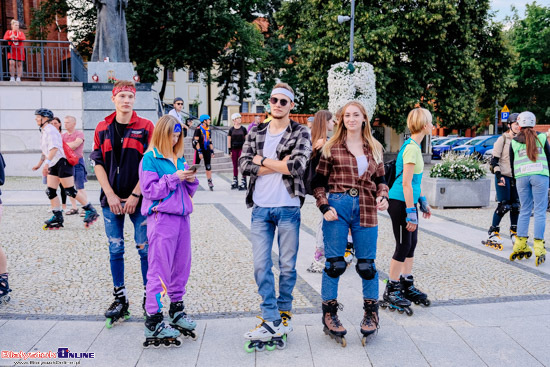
point(204, 149)
point(235, 141)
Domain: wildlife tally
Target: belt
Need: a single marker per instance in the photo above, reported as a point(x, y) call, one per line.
point(351, 192)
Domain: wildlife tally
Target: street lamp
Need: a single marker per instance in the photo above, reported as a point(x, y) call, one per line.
point(345, 18)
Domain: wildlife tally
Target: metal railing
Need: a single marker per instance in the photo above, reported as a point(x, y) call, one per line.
point(219, 138)
point(44, 61)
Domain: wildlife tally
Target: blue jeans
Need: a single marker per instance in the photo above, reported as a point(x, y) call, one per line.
point(114, 228)
point(532, 190)
point(264, 221)
point(336, 238)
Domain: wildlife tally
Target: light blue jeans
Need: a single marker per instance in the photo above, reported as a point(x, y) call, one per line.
point(264, 221)
point(336, 238)
point(532, 191)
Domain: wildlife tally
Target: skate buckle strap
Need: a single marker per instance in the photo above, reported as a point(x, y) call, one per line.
point(159, 329)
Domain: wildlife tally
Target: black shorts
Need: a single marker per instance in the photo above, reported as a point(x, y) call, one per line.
point(207, 156)
point(61, 169)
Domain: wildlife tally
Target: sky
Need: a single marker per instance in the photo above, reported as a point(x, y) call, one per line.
point(503, 7)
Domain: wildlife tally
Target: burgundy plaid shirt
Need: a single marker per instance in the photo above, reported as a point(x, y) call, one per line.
point(342, 173)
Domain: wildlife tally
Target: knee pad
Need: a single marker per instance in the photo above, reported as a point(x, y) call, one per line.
point(335, 266)
point(208, 167)
point(51, 193)
point(502, 208)
point(366, 268)
point(515, 208)
point(71, 191)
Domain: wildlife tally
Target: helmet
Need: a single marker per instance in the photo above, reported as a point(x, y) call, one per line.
point(204, 118)
point(527, 119)
point(236, 115)
point(44, 112)
point(513, 117)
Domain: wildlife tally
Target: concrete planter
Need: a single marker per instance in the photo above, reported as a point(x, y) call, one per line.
point(447, 193)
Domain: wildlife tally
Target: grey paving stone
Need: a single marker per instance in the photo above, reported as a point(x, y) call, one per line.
point(185, 355)
point(119, 346)
point(442, 346)
point(392, 346)
point(296, 353)
point(22, 335)
point(495, 347)
point(223, 343)
point(499, 314)
point(531, 336)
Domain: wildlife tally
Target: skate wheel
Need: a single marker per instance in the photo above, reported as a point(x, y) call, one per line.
point(364, 341)
point(145, 345)
point(45, 227)
point(178, 343)
point(520, 256)
point(260, 347)
point(167, 342)
point(500, 247)
point(156, 343)
point(512, 257)
point(343, 342)
point(282, 344)
point(109, 323)
point(392, 309)
point(427, 303)
point(417, 302)
point(528, 254)
point(248, 348)
point(270, 348)
point(400, 311)
point(383, 305)
point(409, 311)
point(127, 316)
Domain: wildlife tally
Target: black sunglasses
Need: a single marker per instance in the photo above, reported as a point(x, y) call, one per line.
point(283, 102)
point(178, 103)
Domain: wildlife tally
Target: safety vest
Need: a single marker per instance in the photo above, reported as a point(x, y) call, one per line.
point(523, 166)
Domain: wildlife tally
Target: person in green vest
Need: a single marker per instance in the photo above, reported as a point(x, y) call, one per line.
point(529, 159)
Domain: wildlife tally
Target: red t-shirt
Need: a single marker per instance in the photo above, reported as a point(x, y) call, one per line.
point(69, 138)
point(17, 48)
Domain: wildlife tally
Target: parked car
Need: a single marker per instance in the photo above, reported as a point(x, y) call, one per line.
point(437, 141)
point(477, 146)
point(440, 149)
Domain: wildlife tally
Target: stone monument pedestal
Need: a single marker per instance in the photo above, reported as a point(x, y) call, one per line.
point(119, 70)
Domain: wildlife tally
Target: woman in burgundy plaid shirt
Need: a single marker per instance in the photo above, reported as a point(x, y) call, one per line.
point(352, 168)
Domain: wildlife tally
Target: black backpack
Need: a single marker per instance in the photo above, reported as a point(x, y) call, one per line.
point(390, 168)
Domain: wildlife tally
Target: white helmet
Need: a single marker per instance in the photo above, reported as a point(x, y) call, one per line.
point(526, 119)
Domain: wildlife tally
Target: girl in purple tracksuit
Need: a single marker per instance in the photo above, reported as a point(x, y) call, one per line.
point(167, 186)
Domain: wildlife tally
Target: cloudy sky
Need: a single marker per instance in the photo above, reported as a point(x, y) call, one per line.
point(503, 6)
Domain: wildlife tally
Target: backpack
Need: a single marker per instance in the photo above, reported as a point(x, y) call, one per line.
point(390, 168)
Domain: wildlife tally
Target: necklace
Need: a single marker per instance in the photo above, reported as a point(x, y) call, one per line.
point(121, 136)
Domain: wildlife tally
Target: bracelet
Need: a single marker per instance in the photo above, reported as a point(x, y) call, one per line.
point(136, 195)
point(262, 161)
point(48, 162)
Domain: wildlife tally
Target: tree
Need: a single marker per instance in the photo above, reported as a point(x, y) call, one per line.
point(530, 38)
point(424, 52)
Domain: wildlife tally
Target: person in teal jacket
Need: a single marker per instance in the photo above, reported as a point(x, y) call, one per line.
point(529, 159)
point(167, 185)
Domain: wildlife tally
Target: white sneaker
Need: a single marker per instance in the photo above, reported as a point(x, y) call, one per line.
point(12, 79)
point(265, 331)
point(18, 79)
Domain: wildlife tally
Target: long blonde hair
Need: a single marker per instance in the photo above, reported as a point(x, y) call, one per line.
point(341, 133)
point(162, 137)
point(319, 128)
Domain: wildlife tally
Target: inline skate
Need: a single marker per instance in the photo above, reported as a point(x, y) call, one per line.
point(180, 321)
point(286, 316)
point(494, 240)
point(412, 293)
point(210, 184)
point(157, 333)
point(331, 324)
point(318, 263)
point(90, 215)
point(513, 233)
point(540, 252)
point(350, 253)
point(235, 183)
point(370, 323)
point(267, 335)
point(4, 289)
point(395, 300)
point(118, 310)
point(55, 222)
point(521, 249)
point(242, 186)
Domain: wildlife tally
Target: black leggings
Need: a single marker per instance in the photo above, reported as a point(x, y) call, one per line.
point(405, 241)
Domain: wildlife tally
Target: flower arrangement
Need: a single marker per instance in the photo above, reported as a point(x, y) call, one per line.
point(111, 77)
point(345, 86)
point(459, 167)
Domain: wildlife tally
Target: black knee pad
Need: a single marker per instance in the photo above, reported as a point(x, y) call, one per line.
point(208, 167)
point(515, 208)
point(336, 267)
point(503, 208)
point(51, 193)
point(71, 191)
point(366, 268)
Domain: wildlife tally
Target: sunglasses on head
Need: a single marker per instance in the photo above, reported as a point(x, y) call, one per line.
point(282, 101)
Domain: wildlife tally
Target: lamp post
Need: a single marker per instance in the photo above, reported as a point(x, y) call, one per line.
point(345, 18)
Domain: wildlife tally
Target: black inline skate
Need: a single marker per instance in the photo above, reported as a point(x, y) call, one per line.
point(157, 333)
point(4, 289)
point(55, 222)
point(180, 321)
point(90, 215)
point(235, 183)
point(513, 233)
point(331, 324)
point(118, 310)
point(395, 300)
point(210, 184)
point(370, 323)
point(412, 293)
point(242, 186)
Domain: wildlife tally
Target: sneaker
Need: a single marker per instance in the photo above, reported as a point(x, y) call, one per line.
point(18, 79)
point(12, 79)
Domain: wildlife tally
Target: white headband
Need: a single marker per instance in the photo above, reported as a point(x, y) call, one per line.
point(284, 91)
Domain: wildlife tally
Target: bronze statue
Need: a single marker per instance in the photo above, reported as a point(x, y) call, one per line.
point(111, 39)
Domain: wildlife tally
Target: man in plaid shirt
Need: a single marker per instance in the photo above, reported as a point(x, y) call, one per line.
point(274, 156)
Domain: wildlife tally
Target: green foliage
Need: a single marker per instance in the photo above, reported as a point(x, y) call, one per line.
point(427, 52)
point(531, 40)
point(458, 167)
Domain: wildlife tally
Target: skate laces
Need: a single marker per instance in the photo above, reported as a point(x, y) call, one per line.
point(260, 324)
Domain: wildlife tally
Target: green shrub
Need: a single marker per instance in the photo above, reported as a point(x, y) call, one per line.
point(459, 167)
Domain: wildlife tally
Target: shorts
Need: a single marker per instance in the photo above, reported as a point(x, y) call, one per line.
point(61, 169)
point(80, 175)
point(207, 155)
